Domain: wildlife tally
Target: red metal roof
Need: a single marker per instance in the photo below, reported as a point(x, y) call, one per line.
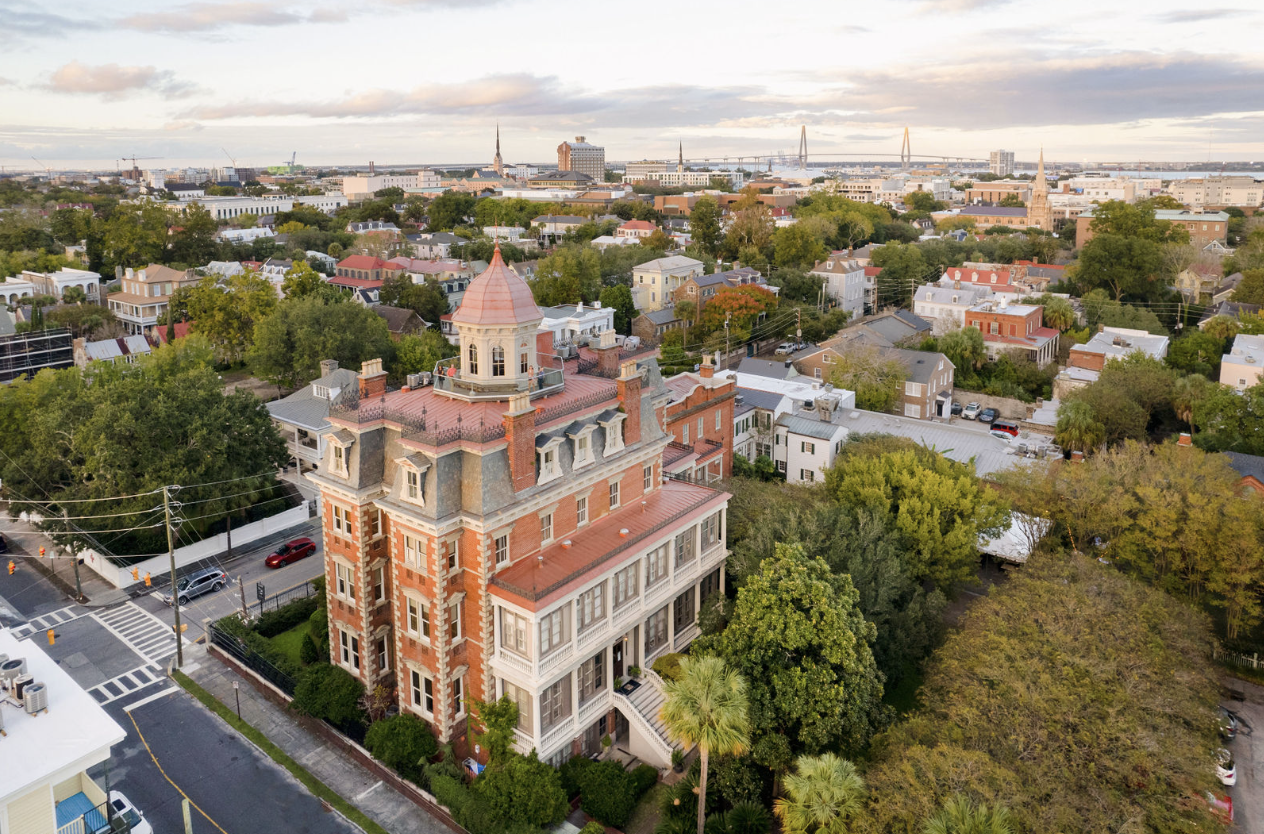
point(638, 226)
point(362, 262)
point(355, 283)
point(535, 583)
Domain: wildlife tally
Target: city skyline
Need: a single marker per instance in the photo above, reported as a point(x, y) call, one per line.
point(348, 84)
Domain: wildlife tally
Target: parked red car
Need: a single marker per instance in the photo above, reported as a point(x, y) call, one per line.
point(291, 552)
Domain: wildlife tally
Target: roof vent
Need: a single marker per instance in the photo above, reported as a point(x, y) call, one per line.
point(10, 669)
point(566, 544)
point(20, 683)
point(623, 532)
point(35, 698)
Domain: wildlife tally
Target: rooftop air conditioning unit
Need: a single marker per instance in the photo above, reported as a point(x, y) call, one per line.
point(20, 683)
point(36, 698)
point(414, 381)
point(10, 669)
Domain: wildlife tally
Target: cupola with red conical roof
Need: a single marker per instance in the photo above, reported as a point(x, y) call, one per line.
point(499, 297)
point(496, 325)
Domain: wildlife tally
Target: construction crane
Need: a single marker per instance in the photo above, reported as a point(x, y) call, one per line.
point(293, 157)
point(47, 170)
point(135, 172)
point(230, 158)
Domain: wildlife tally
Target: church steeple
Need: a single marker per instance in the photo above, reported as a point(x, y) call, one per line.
point(1039, 214)
point(680, 163)
point(497, 163)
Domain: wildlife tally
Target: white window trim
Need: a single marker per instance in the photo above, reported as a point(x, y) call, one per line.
point(450, 542)
point(350, 582)
point(423, 605)
point(418, 466)
point(554, 471)
point(493, 536)
point(587, 459)
point(614, 434)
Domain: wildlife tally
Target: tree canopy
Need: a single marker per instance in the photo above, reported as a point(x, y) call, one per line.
point(290, 344)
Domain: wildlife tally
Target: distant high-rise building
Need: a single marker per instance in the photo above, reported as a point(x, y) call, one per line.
point(582, 157)
point(1001, 163)
point(498, 163)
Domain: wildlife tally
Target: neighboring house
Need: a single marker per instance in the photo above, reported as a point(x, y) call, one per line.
point(754, 413)
point(366, 268)
point(245, 235)
point(530, 549)
point(1240, 367)
point(635, 229)
point(1016, 329)
point(525, 269)
point(1226, 287)
point(899, 325)
point(274, 270)
point(400, 320)
point(301, 417)
point(224, 269)
point(945, 307)
point(511, 234)
point(1198, 280)
point(373, 227)
point(57, 283)
point(44, 783)
point(702, 288)
point(654, 283)
point(320, 261)
point(700, 422)
point(445, 269)
point(606, 241)
point(1251, 468)
point(125, 348)
point(434, 245)
point(994, 280)
point(570, 324)
point(1203, 227)
point(844, 282)
point(1232, 309)
point(928, 386)
point(1085, 362)
point(553, 226)
point(145, 293)
point(807, 442)
point(180, 330)
point(652, 326)
point(366, 296)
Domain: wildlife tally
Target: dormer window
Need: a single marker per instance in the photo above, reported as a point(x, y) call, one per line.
point(550, 468)
point(614, 434)
point(413, 479)
point(340, 460)
point(583, 447)
point(340, 452)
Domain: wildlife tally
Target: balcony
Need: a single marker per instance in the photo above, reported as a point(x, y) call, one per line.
point(451, 382)
point(564, 730)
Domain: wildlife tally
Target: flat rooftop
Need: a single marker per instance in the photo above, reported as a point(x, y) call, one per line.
point(75, 733)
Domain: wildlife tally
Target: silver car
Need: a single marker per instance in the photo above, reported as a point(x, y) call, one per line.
point(199, 582)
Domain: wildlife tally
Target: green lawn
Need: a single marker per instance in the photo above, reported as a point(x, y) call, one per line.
point(645, 815)
point(291, 642)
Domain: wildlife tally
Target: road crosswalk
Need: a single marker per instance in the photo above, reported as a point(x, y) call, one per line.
point(52, 619)
point(142, 632)
point(126, 683)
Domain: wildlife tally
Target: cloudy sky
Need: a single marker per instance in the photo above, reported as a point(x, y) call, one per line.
point(83, 82)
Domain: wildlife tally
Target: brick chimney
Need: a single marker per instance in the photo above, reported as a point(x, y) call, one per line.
point(707, 371)
point(1185, 439)
point(520, 432)
point(630, 398)
point(372, 379)
point(607, 354)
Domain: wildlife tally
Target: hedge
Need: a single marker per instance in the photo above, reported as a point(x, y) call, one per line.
point(286, 617)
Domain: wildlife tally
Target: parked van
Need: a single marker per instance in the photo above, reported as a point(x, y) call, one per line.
point(1004, 429)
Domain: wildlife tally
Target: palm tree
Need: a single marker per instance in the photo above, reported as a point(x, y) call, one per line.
point(1077, 428)
point(822, 795)
point(961, 816)
point(1187, 392)
point(707, 707)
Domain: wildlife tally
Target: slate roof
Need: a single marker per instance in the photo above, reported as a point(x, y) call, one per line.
point(766, 367)
point(921, 364)
point(766, 400)
point(1248, 466)
point(669, 263)
point(304, 408)
point(810, 427)
point(667, 315)
point(7, 325)
point(397, 318)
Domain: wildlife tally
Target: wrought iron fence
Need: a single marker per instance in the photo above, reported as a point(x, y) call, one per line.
point(236, 647)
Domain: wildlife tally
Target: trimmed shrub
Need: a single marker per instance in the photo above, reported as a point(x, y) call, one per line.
point(606, 794)
point(572, 773)
point(593, 827)
point(667, 666)
point(318, 626)
point(525, 790)
point(644, 777)
point(450, 793)
point(403, 743)
point(748, 818)
point(286, 617)
point(307, 651)
point(331, 694)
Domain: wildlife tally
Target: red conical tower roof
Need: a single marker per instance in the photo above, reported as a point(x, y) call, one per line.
point(497, 297)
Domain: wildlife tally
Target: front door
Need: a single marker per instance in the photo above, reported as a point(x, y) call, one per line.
point(618, 659)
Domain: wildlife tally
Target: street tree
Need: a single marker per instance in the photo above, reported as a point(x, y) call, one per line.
point(226, 311)
point(964, 347)
point(301, 280)
point(290, 344)
point(876, 377)
point(704, 224)
point(619, 299)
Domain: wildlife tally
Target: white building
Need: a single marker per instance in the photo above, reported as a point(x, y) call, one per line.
point(571, 323)
point(364, 186)
point(655, 282)
point(844, 282)
point(226, 208)
point(1218, 191)
point(1001, 163)
point(945, 306)
point(735, 180)
point(1240, 367)
point(56, 283)
point(245, 235)
point(44, 782)
point(512, 234)
point(13, 290)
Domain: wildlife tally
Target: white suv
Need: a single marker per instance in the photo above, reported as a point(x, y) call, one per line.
point(971, 411)
point(197, 583)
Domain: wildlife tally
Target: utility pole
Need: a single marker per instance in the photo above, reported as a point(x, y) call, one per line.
point(74, 556)
point(241, 586)
point(798, 324)
point(175, 592)
point(727, 316)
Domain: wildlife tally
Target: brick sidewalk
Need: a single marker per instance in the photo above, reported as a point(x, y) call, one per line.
point(375, 797)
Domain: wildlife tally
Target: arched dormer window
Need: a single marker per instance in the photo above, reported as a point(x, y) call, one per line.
point(498, 361)
point(472, 359)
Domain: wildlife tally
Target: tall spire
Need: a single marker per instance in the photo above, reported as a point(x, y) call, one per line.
point(497, 138)
point(680, 163)
point(1039, 213)
point(1040, 171)
point(498, 164)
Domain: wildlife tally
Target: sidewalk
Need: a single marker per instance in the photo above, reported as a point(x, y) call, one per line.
point(375, 798)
